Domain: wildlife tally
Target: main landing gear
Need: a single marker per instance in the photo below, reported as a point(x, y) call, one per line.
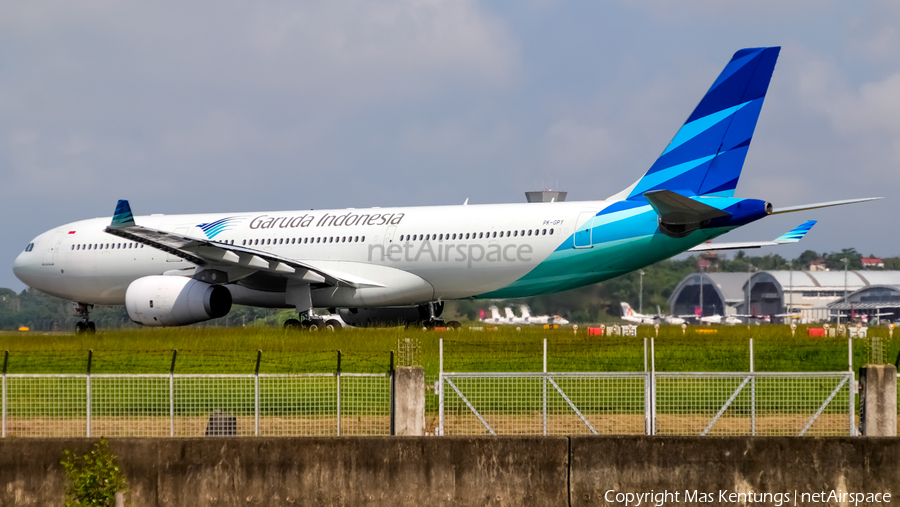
point(309, 321)
point(85, 325)
point(433, 321)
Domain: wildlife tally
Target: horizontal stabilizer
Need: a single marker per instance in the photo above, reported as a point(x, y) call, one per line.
point(792, 236)
point(677, 209)
point(804, 207)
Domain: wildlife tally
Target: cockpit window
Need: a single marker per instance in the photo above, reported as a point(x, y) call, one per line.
point(30, 247)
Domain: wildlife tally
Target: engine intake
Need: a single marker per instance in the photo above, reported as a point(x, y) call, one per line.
point(175, 301)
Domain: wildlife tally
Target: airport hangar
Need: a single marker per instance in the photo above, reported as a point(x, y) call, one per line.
point(817, 296)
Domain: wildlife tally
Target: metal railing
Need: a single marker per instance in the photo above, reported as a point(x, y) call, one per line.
point(648, 402)
point(184, 405)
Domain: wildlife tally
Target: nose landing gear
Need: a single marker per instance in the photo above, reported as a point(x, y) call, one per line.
point(85, 326)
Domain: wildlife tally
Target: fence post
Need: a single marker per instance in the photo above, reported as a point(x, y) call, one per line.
point(752, 393)
point(90, 356)
point(256, 394)
point(5, 363)
point(652, 387)
point(646, 392)
point(393, 381)
point(441, 386)
point(338, 378)
point(545, 386)
point(172, 394)
point(852, 387)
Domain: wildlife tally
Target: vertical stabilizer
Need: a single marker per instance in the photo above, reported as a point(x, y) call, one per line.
point(707, 154)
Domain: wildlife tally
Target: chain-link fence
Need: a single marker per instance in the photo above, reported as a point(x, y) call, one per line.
point(543, 404)
point(648, 402)
point(763, 404)
point(177, 405)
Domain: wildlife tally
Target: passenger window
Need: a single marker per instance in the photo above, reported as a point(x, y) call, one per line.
point(495, 234)
point(363, 238)
point(551, 232)
point(544, 232)
point(529, 232)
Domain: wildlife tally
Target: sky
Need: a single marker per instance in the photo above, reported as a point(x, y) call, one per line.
point(208, 106)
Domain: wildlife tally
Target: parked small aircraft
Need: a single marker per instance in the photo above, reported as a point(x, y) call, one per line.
point(629, 315)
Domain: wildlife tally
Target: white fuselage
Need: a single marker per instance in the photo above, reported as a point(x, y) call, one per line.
point(469, 250)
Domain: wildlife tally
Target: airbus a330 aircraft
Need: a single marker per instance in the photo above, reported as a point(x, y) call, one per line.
point(387, 265)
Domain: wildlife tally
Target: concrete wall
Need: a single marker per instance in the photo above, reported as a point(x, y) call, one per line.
point(740, 464)
point(304, 471)
point(438, 471)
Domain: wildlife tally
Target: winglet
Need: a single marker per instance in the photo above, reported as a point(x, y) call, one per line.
point(122, 217)
point(796, 234)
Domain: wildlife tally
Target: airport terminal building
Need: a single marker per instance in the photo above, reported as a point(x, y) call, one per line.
point(817, 296)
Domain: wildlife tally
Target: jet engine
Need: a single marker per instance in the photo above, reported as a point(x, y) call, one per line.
point(387, 317)
point(175, 301)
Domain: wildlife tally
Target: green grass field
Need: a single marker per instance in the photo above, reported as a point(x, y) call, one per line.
point(234, 350)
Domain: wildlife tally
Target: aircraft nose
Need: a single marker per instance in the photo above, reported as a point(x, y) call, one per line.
point(23, 266)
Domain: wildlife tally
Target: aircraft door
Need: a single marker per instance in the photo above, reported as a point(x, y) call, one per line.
point(52, 247)
point(172, 257)
point(389, 236)
point(583, 234)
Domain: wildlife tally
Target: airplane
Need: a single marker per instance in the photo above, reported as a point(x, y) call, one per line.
point(528, 318)
point(525, 319)
point(862, 317)
point(729, 320)
point(495, 317)
point(629, 315)
point(386, 266)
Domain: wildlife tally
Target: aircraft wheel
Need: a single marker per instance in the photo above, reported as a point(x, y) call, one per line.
point(316, 324)
point(292, 324)
point(79, 327)
point(334, 324)
point(91, 328)
point(454, 324)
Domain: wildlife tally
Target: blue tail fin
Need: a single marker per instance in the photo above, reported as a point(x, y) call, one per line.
point(706, 155)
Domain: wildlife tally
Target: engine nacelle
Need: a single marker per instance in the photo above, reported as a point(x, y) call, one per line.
point(175, 301)
point(387, 317)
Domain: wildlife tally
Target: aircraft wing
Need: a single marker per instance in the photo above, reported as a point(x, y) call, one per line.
point(792, 236)
point(212, 254)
